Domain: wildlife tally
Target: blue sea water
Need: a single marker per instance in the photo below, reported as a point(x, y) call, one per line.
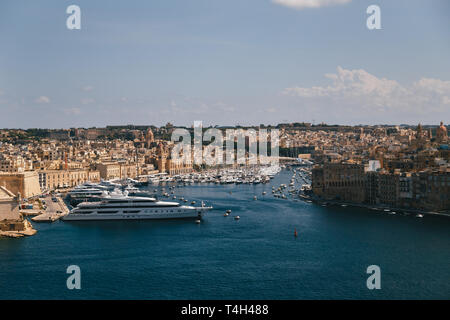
point(256, 257)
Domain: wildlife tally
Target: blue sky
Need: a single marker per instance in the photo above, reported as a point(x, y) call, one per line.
point(223, 62)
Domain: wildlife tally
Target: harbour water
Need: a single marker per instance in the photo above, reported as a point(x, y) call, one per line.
point(256, 257)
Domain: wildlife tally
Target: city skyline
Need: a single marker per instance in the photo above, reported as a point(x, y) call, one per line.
point(294, 124)
point(181, 61)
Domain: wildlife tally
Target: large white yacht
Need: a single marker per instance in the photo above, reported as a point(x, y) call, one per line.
point(91, 191)
point(82, 193)
point(125, 207)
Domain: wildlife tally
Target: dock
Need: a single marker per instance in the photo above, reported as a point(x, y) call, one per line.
point(54, 211)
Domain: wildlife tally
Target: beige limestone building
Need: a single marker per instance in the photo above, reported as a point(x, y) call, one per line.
point(25, 183)
point(12, 224)
point(108, 171)
point(52, 179)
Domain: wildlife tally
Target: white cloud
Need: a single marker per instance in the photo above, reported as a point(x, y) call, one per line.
point(42, 99)
point(359, 92)
point(432, 86)
point(303, 4)
point(350, 83)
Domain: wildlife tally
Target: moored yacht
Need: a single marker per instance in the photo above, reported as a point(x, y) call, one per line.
point(133, 208)
point(83, 194)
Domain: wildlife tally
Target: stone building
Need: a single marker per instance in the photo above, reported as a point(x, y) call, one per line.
point(317, 184)
point(388, 189)
point(10, 217)
point(161, 157)
point(441, 134)
point(108, 171)
point(16, 164)
point(12, 222)
point(165, 163)
point(371, 187)
point(53, 179)
point(428, 189)
point(178, 167)
point(431, 189)
point(149, 138)
point(25, 183)
point(128, 171)
point(94, 176)
point(340, 181)
point(116, 170)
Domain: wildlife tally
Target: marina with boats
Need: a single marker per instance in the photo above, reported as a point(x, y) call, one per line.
point(125, 199)
point(137, 199)
point(161, 196)
point(155, 196)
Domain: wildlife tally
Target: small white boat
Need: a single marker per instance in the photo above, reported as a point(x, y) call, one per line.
point(237, 218)
point(419, 215)
point(198, 221)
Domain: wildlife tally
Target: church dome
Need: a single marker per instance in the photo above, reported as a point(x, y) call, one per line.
point(441, 133)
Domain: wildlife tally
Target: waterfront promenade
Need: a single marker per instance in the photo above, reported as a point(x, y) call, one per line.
point(406, 211)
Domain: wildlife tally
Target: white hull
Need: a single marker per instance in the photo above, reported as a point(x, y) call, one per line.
point(133, 208)
point(178, 213)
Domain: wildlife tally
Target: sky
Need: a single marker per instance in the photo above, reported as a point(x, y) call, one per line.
point(223, 62)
